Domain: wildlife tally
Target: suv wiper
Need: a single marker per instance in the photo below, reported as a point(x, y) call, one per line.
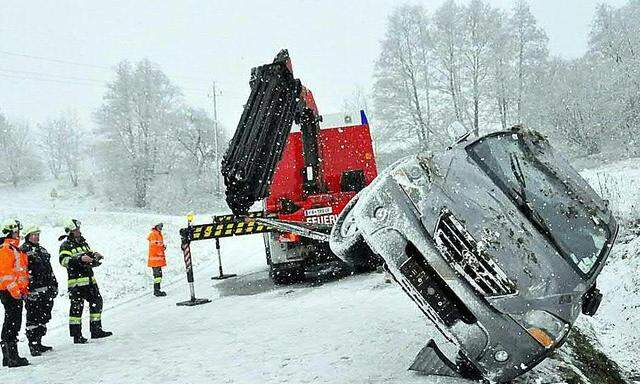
point(526, 206)
point(516, 169)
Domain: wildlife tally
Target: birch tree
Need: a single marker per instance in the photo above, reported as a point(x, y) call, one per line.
point(403, 84)
point(481, 30)
point(531, 52)
point(448, 41)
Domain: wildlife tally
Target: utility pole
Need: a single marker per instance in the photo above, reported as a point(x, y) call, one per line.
point(216, 141)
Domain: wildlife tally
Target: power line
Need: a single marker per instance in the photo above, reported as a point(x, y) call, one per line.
point(53, 60)
point(40, 76)
point(48, 75)
point(47, 80)
point(60, 61)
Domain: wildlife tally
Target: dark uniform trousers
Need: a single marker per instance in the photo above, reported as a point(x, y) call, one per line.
point(78, 295)
point(157, 277)
point(38, 313)
point(82, 286)
point(43, 288)
point(12, 317)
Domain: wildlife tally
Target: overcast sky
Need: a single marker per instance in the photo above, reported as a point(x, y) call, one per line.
point(56, 55)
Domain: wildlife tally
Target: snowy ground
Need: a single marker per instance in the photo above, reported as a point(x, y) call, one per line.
point(354, 330)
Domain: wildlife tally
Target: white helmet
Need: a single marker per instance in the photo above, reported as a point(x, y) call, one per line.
point(71, 225)
point(10, 226)
point(31, 228)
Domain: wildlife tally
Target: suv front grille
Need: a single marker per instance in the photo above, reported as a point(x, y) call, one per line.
point(423, 284)
point(460, 249)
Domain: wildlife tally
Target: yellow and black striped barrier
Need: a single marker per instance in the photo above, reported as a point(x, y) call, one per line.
point(229, 225)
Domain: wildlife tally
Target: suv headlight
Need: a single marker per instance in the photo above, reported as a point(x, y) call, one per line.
point(413, 180)
point(546, 328)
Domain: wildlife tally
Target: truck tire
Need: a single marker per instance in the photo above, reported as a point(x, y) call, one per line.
point(348, 244)
point(285, 274)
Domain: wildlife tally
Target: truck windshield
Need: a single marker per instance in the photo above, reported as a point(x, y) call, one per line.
point(576, 230)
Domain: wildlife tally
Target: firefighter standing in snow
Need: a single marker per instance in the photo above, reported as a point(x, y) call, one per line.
point(14, 287)
point(43, 288)
point(78, 258)
point(157, 258)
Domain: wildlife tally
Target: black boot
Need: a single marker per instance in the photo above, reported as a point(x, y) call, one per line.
point(34, 347)
point(42, 333)
point(79, 340)
point(157, 292)
point(97, 332)
point(10, 352)
point(44, 348)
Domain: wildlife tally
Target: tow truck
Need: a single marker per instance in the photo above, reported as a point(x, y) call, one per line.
point(302, 166)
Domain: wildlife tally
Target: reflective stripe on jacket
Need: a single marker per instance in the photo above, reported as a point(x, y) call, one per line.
point(71, 250)
point(14, 275)
point(156, 249)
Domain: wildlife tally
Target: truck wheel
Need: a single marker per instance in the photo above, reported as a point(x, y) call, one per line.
point(285, 274)
point(347, 242)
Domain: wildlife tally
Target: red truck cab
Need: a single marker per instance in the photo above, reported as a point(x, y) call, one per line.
point(347, 165)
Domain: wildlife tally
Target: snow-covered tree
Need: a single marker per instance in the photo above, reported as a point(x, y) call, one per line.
point(502, 67)
point(531, 52)
point(480, 31)
point(140, 111)
point(20, 161)
point(572, 108)
point(404, 89)
point(615, 52)
point(448, 40)
point(61, 143)
point(195, 136)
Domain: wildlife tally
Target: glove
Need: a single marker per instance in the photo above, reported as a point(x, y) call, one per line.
point(97, 259)
point(31, 296)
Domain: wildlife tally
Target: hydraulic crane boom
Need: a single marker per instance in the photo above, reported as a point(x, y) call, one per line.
point(277, 99)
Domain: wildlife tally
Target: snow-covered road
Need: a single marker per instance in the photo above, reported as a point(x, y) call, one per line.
point(355, 330)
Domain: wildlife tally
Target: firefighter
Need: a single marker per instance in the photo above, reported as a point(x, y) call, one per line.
point(78, 258)
point(14, 287)
point(43, 288)
point(157, 258)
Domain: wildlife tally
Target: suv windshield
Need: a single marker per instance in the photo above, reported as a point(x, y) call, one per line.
point(576, 230)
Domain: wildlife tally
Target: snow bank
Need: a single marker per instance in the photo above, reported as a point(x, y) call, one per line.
point(619, 183)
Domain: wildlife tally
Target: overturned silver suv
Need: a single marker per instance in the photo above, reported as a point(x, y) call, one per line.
point(499, 242)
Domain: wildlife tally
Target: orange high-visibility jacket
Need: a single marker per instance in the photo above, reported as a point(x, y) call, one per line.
point(156, 249)
point(14, 275)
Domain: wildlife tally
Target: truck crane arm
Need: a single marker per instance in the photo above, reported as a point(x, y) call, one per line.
point(277, 99)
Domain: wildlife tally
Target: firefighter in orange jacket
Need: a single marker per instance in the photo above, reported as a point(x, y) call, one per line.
point(157, 258)
point(14, 287)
